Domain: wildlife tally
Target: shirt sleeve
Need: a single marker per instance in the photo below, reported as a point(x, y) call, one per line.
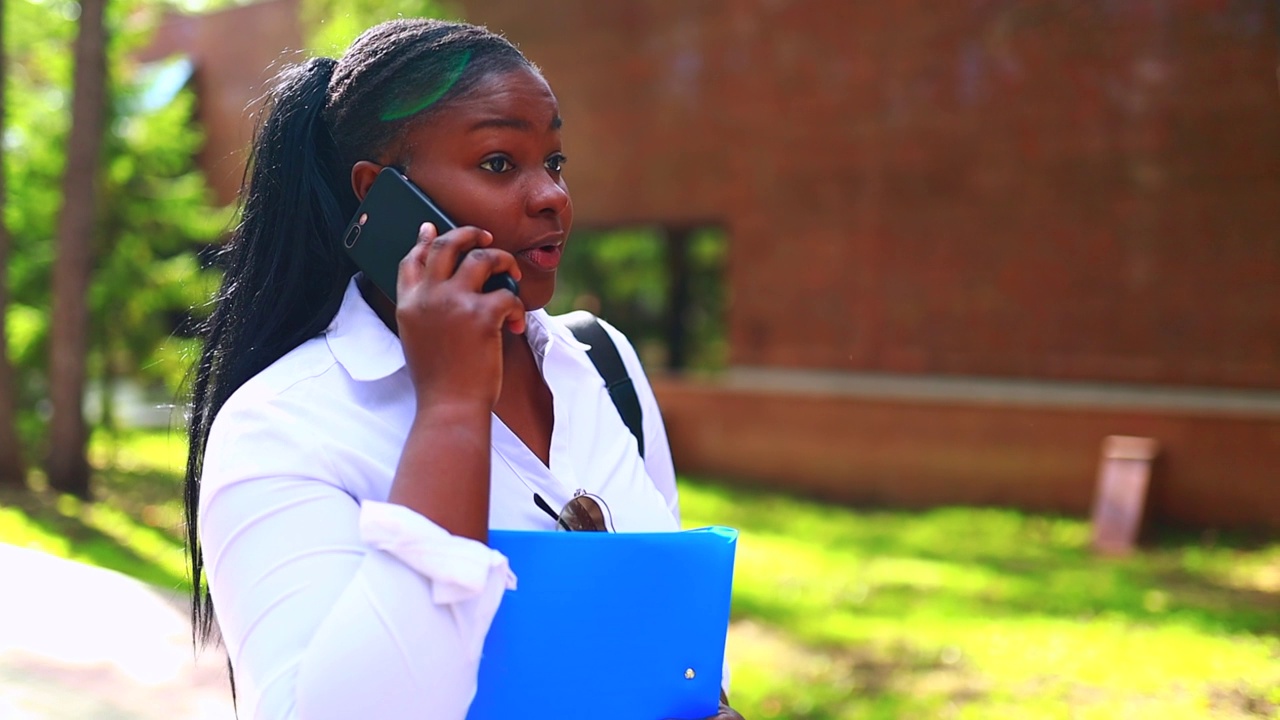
point(657, 449)
point(329, 608)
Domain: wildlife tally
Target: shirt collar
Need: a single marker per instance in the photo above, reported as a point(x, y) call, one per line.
point(359, 340)
point(368, 350)
point(544, 331)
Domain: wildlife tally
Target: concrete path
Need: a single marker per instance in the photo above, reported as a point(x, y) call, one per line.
point(81, 642)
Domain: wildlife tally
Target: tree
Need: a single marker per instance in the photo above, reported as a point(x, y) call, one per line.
point(12, 468)
point(68, 464)
point(329, 26)
point(154, 222)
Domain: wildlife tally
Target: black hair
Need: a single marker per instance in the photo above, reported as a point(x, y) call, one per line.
point(285, 272)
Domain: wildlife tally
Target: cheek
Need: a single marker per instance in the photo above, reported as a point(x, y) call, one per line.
point(504, 216)
point(469, 202)
point(566, 217)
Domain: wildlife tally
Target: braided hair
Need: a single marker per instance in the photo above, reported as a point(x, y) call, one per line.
point(285, 271)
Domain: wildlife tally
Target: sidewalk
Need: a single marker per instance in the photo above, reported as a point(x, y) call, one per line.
point(81, 642)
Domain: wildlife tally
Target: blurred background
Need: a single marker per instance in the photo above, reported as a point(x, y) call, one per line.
point(898, 271)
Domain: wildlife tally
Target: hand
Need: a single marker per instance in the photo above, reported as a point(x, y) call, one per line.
point(451, 332)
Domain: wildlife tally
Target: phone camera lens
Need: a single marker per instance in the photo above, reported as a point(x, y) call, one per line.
point(352, 236)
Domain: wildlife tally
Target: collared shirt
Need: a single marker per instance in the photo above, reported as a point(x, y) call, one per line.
point(335, 604)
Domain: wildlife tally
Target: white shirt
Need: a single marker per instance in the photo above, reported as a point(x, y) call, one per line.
point(335, 604)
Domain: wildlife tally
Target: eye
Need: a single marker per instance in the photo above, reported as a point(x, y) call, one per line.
point(498, 164)
point(555, 163)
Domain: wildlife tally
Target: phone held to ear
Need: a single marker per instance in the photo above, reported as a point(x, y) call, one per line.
point(385, 228)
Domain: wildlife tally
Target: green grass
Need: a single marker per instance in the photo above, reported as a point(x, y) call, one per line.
point(841, 613)
point(985, 613)
point(136, 524)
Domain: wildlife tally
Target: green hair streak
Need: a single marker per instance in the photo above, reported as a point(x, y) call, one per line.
point(400, 108)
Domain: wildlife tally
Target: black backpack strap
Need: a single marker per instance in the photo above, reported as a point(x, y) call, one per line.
point(604, 355)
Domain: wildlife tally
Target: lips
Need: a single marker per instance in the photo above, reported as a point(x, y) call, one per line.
point(545, 254)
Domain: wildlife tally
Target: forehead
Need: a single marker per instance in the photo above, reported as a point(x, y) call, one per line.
point(521, 97)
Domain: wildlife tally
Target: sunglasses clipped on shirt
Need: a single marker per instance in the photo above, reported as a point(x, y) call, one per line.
point(584, 513)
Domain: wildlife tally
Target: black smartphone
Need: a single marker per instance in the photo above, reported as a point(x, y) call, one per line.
point(385, 228)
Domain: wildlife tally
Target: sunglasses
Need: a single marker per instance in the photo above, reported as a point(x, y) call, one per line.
point(584, 513)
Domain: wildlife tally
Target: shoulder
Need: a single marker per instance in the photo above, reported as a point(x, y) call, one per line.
point(291, 379)
point(626, 352)
point(623, 343)
point(274, 418)
point(579, 317)
point(630, 358)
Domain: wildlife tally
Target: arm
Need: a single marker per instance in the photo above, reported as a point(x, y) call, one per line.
point(332, 610)
point(452, 338)
point(329, 609)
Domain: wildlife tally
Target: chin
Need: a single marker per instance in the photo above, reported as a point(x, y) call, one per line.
point(536, 296)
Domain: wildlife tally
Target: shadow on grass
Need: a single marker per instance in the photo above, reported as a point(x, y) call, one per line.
point(884, 680)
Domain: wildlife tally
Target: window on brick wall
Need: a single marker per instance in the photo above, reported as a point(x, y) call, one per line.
point(662, 286)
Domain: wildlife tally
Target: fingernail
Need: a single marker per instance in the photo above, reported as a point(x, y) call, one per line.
point(428, 228)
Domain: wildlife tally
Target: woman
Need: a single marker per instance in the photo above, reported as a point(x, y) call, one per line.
point(348, 454)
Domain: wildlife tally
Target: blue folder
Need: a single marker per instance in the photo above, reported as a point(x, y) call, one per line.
point(629, 626)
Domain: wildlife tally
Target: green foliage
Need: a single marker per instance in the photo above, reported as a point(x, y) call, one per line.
point(331, 25)
point(157, 215)
point(155, 212)
point(622, 276)
point(37, 39)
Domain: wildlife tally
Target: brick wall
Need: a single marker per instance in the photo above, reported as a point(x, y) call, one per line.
point(1217, 466)
point(235, 52)
point(1057, 190)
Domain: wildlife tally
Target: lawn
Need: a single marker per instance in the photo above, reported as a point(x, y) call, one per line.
point(842, 613)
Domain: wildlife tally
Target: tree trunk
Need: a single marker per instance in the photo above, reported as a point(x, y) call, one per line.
point(12, 469)
point(68, 464)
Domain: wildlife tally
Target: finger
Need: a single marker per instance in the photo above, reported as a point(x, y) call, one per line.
point(506, 310)
point(481, 264)
point(412, 265)
point(444, 252)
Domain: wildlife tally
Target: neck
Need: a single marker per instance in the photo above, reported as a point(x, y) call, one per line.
point(380, 303)
point(514, 346)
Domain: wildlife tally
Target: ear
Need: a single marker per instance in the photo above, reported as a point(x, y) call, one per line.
point(363, 174)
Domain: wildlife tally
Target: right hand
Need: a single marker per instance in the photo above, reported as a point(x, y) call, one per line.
point(451, 332)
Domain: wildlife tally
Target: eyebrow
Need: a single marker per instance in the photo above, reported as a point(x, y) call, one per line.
point(512, 124)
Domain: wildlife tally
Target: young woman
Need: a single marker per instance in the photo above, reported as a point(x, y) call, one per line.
point(348, 454)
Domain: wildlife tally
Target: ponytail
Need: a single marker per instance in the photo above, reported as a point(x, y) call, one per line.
point(285, 274)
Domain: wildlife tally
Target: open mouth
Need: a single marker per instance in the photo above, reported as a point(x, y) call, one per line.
point(543, 257)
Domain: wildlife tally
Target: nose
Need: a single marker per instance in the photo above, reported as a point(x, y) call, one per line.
point(547, 196)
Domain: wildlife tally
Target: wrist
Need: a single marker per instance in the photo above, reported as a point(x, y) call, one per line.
point(435, 407)
point(443, 472)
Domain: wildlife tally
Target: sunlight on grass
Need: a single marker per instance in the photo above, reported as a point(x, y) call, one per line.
point(139, 451)
point(136, 527)
point(985, 613)
point(16, 528)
